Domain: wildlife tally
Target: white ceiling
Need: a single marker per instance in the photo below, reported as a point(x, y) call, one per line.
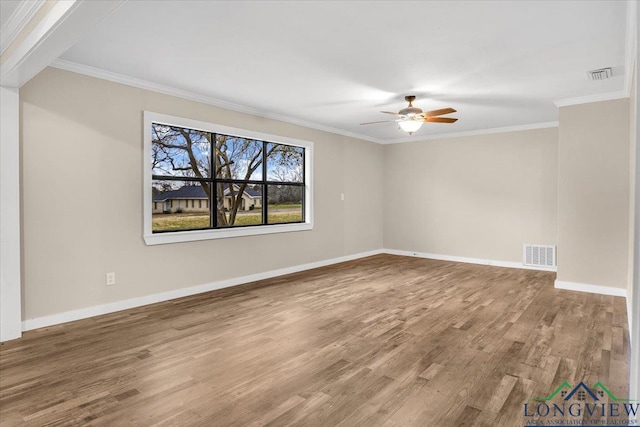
point(337, 64)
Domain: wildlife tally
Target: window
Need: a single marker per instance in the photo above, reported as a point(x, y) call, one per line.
point(252, 183)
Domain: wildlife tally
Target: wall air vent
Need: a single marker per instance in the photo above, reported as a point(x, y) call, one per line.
point(539, 255)
point(601, 74)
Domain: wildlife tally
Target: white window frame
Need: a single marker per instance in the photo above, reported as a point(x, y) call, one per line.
point(151, 238)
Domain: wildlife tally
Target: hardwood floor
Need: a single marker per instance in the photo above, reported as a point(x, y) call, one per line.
point(384, 340)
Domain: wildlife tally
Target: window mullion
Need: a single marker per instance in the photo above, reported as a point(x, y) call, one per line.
point(291, 199)
point(213, 194)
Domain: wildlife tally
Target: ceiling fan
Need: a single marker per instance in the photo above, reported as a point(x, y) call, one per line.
point(411, 118)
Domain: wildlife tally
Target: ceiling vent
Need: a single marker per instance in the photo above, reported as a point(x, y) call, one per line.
point(601, 74)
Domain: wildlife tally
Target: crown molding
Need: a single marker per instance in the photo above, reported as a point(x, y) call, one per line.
point(17, 21)
point(518, 128)
point(599, 97)
point(168, 90)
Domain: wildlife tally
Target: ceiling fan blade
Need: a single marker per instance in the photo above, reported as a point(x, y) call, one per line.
point(438, 112)
point(439, 120)
point(381, 121)
point(389, 112)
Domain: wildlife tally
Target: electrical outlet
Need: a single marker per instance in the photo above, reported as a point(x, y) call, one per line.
point(111, 279)
point(342, 196)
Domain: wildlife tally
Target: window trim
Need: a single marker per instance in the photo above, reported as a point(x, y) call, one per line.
point(151, 238)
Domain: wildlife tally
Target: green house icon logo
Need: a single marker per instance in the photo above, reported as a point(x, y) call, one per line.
point(582, 392)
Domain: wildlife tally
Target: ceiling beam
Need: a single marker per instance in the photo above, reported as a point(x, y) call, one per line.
point(53, 29)
point(23, 13)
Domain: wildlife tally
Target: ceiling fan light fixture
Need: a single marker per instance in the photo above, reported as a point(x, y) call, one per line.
point(410, 125)
point(411, 118)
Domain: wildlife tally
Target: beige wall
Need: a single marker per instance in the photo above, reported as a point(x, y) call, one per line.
point(476, 197)
point(362, 207)
point(593, 193)
point(82, 198)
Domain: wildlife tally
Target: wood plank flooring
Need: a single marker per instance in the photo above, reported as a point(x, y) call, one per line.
point(381, 341)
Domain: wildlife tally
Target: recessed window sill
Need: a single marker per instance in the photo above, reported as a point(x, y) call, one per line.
point(193, 236)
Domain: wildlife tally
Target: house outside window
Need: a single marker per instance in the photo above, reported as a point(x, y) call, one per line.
point(251, 183)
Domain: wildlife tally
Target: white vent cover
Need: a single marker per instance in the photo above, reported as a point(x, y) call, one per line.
point(539, 255)
point(601, 74)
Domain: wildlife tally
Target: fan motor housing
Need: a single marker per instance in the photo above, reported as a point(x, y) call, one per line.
point(410, 111)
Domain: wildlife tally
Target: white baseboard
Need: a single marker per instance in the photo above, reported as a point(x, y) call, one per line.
point(494, 263)
point(84, 313)
point(593, 289)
